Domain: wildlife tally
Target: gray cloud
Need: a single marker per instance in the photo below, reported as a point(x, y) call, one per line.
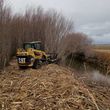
point(100, 32)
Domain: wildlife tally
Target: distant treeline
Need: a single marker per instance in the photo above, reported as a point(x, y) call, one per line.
point(50, 27)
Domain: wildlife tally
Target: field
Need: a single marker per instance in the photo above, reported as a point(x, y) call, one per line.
point(102, 46)
point(103, 50)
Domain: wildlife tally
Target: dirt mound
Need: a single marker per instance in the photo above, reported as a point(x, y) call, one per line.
point(50, 88)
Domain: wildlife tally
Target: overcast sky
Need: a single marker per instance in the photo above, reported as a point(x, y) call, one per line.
point(91, 17)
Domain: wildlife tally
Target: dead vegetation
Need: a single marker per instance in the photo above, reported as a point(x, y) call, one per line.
point(50, 27)
point(102, 47)
point(101, 60)
point(50, 88)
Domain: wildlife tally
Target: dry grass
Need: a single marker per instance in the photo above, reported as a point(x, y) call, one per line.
point(50, 88)
point(102, 46)
point(103, 55)
point(103, 59)
point(102, 50)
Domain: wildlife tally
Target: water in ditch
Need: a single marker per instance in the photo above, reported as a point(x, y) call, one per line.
point(93, 73)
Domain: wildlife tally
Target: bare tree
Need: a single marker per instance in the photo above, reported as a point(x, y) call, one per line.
point(75, 43)
point(50, 27)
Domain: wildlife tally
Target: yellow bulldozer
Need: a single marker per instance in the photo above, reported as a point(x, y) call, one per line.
point(33, 54)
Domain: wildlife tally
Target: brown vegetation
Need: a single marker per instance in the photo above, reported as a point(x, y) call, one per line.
point(50, 27)
point(104, 60)
point(102, 46)
point(51, 87)
point(74, 43)
point(101, 60)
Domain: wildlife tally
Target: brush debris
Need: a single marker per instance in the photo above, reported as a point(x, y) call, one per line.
point(50, 88)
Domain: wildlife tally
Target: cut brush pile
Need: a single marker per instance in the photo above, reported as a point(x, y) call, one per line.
point(50, 88)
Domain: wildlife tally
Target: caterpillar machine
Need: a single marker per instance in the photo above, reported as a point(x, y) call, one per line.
point(32, 54)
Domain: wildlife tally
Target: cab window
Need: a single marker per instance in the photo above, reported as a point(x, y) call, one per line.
point(37, 46)
point(26, 46)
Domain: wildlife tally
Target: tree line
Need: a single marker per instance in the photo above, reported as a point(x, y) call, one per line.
point(52, 28)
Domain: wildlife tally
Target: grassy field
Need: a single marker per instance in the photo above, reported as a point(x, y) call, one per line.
point(102, 46)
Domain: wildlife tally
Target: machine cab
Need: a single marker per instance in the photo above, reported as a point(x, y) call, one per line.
point(35, 45)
